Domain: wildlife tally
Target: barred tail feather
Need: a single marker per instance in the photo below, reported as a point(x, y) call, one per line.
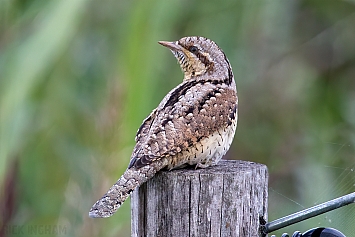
point(120, 191)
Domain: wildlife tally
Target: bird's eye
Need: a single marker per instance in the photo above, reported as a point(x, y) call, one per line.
point(193, 49)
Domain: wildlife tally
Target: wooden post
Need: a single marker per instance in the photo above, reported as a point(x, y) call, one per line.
point(225, 200)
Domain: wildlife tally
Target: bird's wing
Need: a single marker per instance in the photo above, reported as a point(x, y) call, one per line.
point(186, 115)
point(142, 135)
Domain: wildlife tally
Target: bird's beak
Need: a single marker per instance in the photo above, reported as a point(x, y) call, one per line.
point(170, 45)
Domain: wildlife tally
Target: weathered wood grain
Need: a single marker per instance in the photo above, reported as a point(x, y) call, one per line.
point(224, 200)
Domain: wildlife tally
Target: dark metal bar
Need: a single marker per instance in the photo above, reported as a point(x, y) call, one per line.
point(309, 212)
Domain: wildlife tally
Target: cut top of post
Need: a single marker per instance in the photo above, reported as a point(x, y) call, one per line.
point(228, 199)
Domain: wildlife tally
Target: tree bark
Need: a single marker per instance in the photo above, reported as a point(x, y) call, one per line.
point(224, 200)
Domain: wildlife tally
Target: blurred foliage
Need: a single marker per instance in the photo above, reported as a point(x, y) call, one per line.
point(77, 77)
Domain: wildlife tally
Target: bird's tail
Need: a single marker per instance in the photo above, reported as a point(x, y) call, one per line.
point(120, 191)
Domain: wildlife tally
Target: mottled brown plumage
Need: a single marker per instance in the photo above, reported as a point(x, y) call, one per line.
point(193, 125)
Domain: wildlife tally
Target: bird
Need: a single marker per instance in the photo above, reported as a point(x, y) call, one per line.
point(194, 124)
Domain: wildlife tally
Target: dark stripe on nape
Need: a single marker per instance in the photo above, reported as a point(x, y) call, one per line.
point(174, 97)
point(179, 92)
point(230, 73)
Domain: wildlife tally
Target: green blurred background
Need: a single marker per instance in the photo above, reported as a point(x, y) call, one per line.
point(77, 77)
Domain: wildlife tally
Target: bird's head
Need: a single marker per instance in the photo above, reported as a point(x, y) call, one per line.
point(199, 57)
